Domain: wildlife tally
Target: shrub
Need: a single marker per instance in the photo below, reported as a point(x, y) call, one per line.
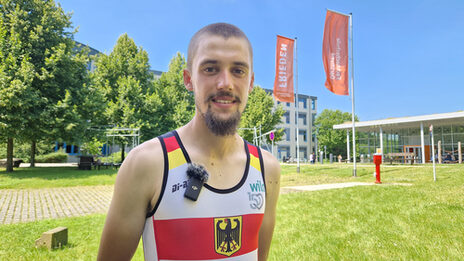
point(113, 158)
point(54, 157)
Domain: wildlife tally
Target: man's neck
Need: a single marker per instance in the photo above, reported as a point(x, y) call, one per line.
point(199, 136)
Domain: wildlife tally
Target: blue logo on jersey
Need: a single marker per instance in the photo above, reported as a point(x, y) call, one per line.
point(257, 187)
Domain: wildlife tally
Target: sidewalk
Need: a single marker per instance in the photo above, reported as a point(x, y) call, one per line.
point(26, 205)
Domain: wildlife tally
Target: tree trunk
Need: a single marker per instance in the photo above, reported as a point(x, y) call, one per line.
point(33, 148)
point(9, 155)
point(122, 152)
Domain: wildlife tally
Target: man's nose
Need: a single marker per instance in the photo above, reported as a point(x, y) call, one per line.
point(224, 80)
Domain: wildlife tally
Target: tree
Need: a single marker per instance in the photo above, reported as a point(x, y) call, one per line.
point(125, 82)
point(335, 140)
point(260, 111)
point(36, 51)
point(176, 105)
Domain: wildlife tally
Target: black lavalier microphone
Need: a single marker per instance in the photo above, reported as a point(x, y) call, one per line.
point(197, 177)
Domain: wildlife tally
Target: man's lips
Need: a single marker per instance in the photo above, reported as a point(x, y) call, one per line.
point(223, 100)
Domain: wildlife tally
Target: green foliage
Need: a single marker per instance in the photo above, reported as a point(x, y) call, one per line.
point(92, 147)
point(335, 140)
point(40, 72)
point(175, 106)
point(54, 157)
point(125, 83)
point(113, 158)
point(22, 150)
point(260, 111)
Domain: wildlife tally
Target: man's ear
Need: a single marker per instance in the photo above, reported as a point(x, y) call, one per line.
point(188, 80)
point(251, 83)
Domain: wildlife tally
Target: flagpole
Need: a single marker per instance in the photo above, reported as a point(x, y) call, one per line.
point(352, 97)
point(297, 105)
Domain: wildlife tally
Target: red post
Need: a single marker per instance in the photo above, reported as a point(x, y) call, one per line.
point(377, 162)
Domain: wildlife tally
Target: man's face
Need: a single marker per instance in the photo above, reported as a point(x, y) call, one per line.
point(221, 78)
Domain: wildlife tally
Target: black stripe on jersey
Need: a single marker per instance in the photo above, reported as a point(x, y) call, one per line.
point(242, 181)
point(165, 173)
point(181, 145)
point(213, 189)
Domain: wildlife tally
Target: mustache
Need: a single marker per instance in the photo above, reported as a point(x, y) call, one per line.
point(223, 94)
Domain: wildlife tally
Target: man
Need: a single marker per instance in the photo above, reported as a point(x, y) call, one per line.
point(234, 215)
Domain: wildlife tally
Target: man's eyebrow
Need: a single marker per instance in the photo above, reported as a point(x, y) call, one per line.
point(243, 64)
point(209, 62)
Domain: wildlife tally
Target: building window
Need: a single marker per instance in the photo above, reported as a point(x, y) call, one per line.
point(287, 134)
point(303, 133)
point(302, 100)
point(288, 104)
point(287, 117)
point(303, 117)
point(313, 104)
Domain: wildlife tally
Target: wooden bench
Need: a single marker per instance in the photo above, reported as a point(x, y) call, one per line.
point(400, 157)
point(85, 162)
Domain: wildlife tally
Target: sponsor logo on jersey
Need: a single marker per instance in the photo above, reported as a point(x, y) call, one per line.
point(256, 200)
point(258, 186)
point(227, 235)
point(178, 186)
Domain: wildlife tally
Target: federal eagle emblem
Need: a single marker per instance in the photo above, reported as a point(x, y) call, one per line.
point(227, 235)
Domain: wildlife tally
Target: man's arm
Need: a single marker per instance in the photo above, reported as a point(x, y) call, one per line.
point(272, 176)
point(137, 183)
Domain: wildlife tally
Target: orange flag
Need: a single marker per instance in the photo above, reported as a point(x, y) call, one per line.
point(283, 84)
point(335, 52)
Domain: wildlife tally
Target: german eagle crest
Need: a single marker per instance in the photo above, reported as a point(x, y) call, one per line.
point(227, 235)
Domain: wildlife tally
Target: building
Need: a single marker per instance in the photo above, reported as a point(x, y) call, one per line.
point(307, 110)
point(411, 135)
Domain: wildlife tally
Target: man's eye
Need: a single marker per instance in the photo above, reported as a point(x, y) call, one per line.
point(209, 69)
point(238, 71)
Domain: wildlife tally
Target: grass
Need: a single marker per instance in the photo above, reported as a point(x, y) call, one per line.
point(17, 240)
point(424, 221)
point(39, 177)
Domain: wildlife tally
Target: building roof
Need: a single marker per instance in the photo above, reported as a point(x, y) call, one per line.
point(439, 119)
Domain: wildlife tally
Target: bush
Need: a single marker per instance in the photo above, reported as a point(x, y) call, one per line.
point(54, 157)
point(23, 149)
point(113, 158)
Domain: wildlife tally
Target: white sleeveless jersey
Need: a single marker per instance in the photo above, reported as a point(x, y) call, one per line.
point(221, 224)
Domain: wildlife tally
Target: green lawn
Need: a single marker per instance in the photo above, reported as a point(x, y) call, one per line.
point(423, 221)
point(22, 178)
point(17, 240)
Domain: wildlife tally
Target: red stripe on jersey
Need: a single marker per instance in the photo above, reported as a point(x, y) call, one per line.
point(171, 143)
point(193, 238)
point(253, 150)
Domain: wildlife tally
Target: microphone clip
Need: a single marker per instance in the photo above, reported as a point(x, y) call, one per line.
point(197, 177)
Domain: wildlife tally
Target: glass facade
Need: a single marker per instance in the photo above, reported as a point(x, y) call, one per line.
point(409, 140)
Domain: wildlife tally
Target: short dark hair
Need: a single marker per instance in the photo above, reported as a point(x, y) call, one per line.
point(220, 29)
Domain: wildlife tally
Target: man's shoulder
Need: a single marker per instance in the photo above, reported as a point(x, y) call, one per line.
point(145, 155)
point(271, 165)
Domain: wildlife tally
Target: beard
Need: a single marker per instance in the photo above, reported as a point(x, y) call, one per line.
point(219, 126)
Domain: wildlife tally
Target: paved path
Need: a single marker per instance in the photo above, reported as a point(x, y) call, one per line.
point(26, 205)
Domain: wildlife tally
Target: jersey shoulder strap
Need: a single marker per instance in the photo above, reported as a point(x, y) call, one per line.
point(174, 156)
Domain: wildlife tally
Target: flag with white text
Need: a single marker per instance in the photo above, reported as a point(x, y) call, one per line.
point(335, 52)
point(283, 84)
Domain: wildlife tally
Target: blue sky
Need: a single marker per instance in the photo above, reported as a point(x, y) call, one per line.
point(408, 55)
